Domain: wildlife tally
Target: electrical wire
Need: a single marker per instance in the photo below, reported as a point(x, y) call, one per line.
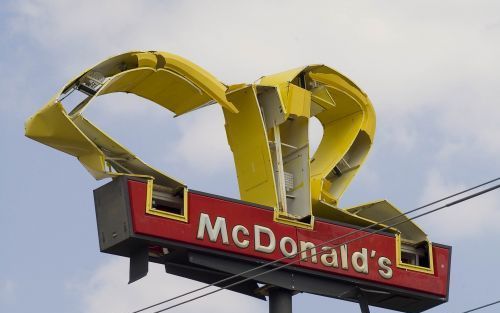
point(321, 252)
point(307, 249)
point(482, 307)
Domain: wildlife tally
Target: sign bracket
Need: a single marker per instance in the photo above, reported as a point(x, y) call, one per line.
point(139, 263)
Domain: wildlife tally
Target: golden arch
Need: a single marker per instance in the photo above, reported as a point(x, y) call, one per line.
point(266, 127)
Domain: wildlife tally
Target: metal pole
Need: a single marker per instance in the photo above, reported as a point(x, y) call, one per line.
point(280, 300)
point(363, 305)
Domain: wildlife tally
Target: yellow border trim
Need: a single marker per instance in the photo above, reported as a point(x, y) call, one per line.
point(283, 218)
point(152, 211)
point(416, 268)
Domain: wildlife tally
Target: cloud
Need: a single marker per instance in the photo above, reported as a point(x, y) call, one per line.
point(106, 290)
point(473, 218)
point(402, 138)
point(408, 59)
point(202, 146)
point(473, 128)
point(195, 142)
point(244, 46)
point(430, 75)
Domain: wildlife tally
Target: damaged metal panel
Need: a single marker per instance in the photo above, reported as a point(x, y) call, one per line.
point(267, 126)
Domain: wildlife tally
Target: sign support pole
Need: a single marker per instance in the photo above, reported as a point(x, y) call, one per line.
point(280, 300)
point(363, 305)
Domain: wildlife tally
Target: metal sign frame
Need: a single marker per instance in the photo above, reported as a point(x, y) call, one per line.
point(120, 233)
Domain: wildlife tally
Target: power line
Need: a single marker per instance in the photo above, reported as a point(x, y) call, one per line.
point(330, 240)
point(482, 307)
point(307, 249)
point(347, 242)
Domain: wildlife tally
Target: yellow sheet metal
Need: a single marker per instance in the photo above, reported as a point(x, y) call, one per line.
point(169, 80)
point(383, 210)
point(247, 138)
point(347, 117)
point(348, 121)
point(266, 126)
point(53, 127)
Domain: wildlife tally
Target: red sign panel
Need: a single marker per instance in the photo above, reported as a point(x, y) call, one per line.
point(247, 230)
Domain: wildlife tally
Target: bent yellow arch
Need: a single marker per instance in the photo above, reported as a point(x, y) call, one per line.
point(272, 147)
point(146, 74)
point(266, 127)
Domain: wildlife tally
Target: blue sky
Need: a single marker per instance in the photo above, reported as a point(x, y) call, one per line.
point(430, 68)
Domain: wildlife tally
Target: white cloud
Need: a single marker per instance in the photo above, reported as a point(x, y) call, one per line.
point(426, 72)
point(202, 146)
point(408, 58)
point(196, 142)
point(106, 290)
point(473, 218)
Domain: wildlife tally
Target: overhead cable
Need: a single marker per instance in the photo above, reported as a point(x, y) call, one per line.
point(482, 307)
point(324, 243)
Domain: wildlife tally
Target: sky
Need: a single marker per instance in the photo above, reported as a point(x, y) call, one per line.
point(431, 69)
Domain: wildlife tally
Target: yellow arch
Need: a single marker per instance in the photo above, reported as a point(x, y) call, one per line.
point(146, 74)
point(266, 126)
point(278, 107)
point(273, 149)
